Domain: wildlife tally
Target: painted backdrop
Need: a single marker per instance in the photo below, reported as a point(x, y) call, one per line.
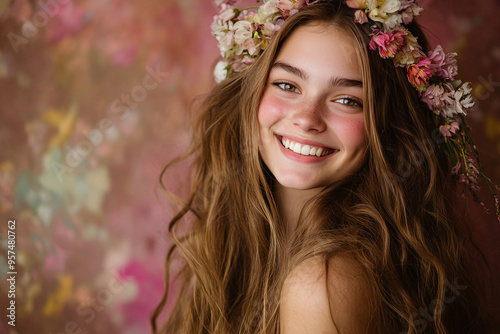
point(95, 98)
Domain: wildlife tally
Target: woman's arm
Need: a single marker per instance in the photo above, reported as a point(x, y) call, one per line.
point(314, 301)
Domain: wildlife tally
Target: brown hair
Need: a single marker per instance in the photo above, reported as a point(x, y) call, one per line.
point(394, 217)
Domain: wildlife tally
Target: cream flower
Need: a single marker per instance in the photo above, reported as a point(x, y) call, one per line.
point(222, 32)
point(380, 9)
point(409, 53)
point(243, 37)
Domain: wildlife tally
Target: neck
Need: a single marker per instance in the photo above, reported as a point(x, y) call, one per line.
point(290, 203)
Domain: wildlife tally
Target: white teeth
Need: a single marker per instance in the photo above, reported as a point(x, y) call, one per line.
point(306, 149)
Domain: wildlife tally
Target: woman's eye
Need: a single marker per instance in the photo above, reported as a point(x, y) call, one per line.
point(349, 102)
point(287, 87)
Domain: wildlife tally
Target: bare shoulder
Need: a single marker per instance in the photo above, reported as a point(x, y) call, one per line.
point(319, 297)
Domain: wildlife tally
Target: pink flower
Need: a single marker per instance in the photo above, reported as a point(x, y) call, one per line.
point(291, 4)
point(222, 2)
point(450, 68)
point(227, 13)
point(437, 56)
point(440, 99)
point(433, 97)
point(419, 74)
point(445, 65)
point(360, 17)
point(246, 60)
point(269, 29)
point(410, 9)
point(359, 4)
point(388, 44)
point(456, 169)
point(448, 129)
point(290, 7)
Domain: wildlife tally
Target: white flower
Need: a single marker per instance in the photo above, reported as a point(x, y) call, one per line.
point(393, 22)
point(266, 12)
point(462, 99)
point(463, 96)
point(220, 71)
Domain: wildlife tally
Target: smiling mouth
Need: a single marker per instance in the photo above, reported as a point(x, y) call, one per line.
point(306, 149)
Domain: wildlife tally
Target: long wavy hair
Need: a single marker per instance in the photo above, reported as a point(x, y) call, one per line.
point(394, 218)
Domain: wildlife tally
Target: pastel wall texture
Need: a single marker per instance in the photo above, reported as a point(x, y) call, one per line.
point(95, 98)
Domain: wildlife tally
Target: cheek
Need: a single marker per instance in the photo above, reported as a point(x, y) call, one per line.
point(351, 132)
point(270, 110)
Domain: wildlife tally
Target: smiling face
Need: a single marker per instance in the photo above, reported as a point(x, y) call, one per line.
point(311, 114)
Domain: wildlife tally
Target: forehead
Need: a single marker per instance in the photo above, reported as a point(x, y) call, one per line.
point(322, 49)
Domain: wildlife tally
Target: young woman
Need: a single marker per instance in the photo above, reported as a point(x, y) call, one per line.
point(320, 197)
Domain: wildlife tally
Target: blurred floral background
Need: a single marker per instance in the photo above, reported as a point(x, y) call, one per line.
point(95, 98)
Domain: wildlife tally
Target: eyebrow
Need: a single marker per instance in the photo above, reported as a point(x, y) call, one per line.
point(336, 81)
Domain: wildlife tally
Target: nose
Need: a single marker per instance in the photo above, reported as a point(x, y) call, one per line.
point(308, 116)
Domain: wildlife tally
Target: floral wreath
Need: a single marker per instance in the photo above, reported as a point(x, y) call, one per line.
point(243, 34)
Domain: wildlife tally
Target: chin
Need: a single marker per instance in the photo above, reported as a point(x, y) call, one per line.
point(300, 184)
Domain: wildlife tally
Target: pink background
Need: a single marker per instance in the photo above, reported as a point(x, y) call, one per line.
point(80, 174)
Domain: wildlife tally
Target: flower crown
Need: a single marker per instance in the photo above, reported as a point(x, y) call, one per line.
point(243, 34)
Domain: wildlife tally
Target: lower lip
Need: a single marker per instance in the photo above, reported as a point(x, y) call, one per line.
point(299, 157)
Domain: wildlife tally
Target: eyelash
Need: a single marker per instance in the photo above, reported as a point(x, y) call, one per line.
point(280, 84)
point(353, 102)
